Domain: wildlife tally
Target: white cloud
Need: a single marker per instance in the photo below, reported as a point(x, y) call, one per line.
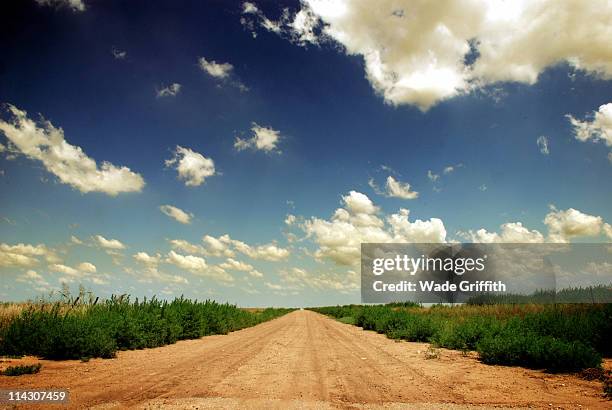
point(80, 271)
point(214, 69)
point(187, 262)
point(36, 280)
point(298, 279)
point(146, 259)
point(562, 227)
point(571, 223)
point(60, 268)
point(263, 139)
point(25, 255)
point(225, 246)
point(233, 264)
point(274, 286)
point(76, 5)
point(222, 246)
point(112, 244)
point(415, 51)
point(358, 203)
point(192, 166)
point(185, 246)
point(339, 239)
point(97, 280)
point(221, 71)
point(542, 143)
point(290, 219)
point(198, 266)
point(598, 128)
point(512, 232)
point(151, 272)
point(301, 28)
point(87, 267)
point(177, 214)
point(218, 246)
point(249, 8)
point(607, 229)
point(171, 90)
point(15, 259)
point(394, 189)
point(75, 240)
point(32, 275)
point(397, 189)
point(69, 163)
point(269, 252)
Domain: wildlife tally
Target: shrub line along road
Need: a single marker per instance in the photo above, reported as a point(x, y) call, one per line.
point(304, 360)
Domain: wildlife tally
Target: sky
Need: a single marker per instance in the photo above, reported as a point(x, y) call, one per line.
point(243, 151)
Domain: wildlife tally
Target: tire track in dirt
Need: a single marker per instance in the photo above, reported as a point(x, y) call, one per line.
point(205, 366)
point(368, 356)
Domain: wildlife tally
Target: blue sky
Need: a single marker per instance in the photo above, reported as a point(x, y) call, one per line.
point(97, 70)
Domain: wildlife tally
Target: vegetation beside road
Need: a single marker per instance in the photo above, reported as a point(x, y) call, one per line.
point(557, 338)
point(73, 330)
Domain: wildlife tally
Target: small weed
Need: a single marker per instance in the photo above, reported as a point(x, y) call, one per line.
point(607, 384)
point(432, 353)
point(21, 369)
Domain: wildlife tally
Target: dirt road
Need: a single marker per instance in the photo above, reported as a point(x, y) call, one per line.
point(304, 360)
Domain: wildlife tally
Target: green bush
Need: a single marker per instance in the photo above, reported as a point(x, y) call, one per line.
point(465, 334)
point(118, 324)
point(552, 337)
point(540, 352)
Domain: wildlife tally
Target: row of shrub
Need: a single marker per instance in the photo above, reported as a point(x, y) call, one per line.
point(54, 332)
point(552, 337)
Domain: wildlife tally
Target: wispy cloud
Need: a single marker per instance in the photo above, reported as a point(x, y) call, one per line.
point(177, 214)
point(171, 90)
point(221, 71)
point(542, 143)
